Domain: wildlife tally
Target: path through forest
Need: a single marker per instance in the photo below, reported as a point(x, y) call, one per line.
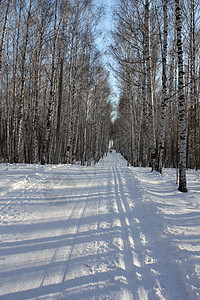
point(71, 232)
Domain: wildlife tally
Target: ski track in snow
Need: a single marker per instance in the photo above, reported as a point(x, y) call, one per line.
point(102, 232)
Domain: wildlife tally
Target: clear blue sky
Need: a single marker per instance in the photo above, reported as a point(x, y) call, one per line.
point(105, 40)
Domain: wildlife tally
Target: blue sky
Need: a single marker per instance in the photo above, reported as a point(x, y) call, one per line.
point(105, 40)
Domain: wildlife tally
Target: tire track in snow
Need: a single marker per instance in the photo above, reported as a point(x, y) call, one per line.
point(146, 284)
point(77, 212)
point(24, 186)
point(144, 280)
point(127, 238)
point(58, 276)
point(158, 266)
point(15, 198)
point(50, 275)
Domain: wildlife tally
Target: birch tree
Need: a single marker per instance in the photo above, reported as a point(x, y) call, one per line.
point(41, 107)
point(164, 87)
point(149, 84)
point(3, 35)
point(44, 158)
point(20, 141)
point(154, 64)
point(181, 98)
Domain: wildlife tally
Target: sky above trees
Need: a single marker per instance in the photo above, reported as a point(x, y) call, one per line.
point(104, 41)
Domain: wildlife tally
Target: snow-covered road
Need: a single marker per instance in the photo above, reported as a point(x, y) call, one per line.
point(102, 232)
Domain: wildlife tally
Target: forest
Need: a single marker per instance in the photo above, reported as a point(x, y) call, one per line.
point(55, 92)
point(54, 87)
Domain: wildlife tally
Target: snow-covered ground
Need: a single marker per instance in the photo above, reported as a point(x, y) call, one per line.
point(102, 232)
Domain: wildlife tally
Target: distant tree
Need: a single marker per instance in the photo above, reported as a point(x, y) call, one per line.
point(54, 89)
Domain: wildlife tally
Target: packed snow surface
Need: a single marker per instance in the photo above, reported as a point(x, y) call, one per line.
point(103, 232)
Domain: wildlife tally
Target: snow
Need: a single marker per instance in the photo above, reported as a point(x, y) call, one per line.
point(103, 232)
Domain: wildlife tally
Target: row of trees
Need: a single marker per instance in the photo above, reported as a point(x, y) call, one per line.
point(54, 88)
point(156, 50)
point(54, 91)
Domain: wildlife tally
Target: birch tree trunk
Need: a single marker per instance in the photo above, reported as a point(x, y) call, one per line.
point(35, 152)
point(144, 122)
point(149, 84)
point(69, 107)
point(4, 35)
point(20, 149)
point(170, 129)
point(56, 159)
point(50, 108)
point(133, 129)
point(164, 88)
point(181, 98)
point(194, 87)
point(15, 66)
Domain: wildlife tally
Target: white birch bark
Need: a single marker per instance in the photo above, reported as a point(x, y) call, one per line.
point(57, 152)
point(20, 149)
point(164, 88)
point(15, 66)
point(149, 84)
point(195, 139)
point(133, 129)
point(181, 98)
point(37, 81)
point(4, 35)
point(170, 129)
point(44, 158)
point(70, 112)
point(144, 122)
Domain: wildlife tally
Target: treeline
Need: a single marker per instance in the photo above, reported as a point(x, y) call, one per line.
point(54, 90)
point(151, 40)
